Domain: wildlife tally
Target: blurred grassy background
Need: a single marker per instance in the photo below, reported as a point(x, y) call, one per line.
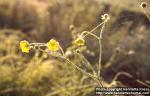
point(40, 20)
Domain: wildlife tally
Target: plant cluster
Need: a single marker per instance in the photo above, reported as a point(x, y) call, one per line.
point(54, 46)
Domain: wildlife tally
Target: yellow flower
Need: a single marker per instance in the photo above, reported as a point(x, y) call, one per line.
point(53, 45)
point(25, 47)
point(79, 42)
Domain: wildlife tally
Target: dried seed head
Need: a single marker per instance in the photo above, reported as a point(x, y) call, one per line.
point(105, 17)
point(143, 5)
point(78, 51)
point(71, 27)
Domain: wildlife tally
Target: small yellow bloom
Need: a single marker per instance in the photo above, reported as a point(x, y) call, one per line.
point(25, 47)
point(53, 45)
point(79, 42)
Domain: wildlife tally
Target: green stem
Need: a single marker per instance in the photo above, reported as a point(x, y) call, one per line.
point(62, 51)
point(100, 49)
point(83, 71)
point(40, 44)
point(112, 59)
point(146, 13)
point(95, 28)
point(88, 33)
point(87, 62)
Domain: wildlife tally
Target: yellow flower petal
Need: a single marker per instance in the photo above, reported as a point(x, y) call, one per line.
point(53, 45)
point(79, 42)
point(25, 47)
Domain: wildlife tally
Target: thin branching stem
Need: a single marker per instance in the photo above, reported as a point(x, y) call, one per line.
point(100, 49)
point(146, 13)
point(94, 28)
point(83, 71)
point(111, 60)
point(87, 62)
point(39, 44)
point(88, 33)
point(62, 51)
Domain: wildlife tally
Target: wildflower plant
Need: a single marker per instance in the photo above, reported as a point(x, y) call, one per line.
point(80, 43)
